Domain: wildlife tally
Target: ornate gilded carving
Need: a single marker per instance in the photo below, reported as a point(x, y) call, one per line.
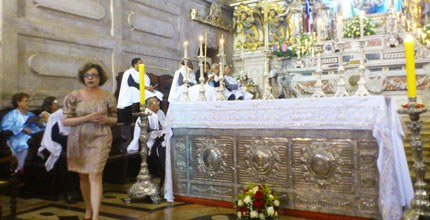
point(294, 19)
point(214, 18)
point(276, 23)
point(248, 27)
point(211, 157)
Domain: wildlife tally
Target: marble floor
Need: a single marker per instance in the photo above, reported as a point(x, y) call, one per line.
point(113, 207)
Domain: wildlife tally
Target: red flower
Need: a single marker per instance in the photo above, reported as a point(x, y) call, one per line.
point(416, 105)
point(245, 190)
point(258, 205)
point(259, 195)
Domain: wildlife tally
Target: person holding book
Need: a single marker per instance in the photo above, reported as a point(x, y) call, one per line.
point(22, 123)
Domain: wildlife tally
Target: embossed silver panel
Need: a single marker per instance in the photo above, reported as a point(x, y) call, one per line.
point(263, 160)
point(323, 164)
point(327, 171)
point(213, 159)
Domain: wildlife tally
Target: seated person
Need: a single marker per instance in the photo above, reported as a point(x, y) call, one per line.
point(22, 123)
point(233, 88)
point(155, 141)
point(49, 106)
point(176, 90)
point(206, 68)
point(213, 75)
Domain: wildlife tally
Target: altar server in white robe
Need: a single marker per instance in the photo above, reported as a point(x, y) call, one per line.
point(176, 90)
point(233, 88)
point(129, 91)
point(155, 139)
point(210, 91)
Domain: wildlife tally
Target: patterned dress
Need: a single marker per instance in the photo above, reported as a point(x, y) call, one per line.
point(88, 144)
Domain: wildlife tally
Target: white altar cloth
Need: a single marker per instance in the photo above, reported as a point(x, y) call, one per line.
point(376, 113)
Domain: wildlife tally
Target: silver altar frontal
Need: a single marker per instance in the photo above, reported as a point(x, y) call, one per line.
point(329, 155)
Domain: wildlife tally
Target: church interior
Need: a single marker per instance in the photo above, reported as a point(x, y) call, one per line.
point(214, 109)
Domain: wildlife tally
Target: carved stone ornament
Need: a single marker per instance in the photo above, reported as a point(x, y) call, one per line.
point(214, 18)
point(211, 157)
point(320, 164)
point(262, 160)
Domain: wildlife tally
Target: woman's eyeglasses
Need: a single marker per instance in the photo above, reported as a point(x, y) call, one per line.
point(91, 75)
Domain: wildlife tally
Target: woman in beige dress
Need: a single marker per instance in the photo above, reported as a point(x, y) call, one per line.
point(90, 112)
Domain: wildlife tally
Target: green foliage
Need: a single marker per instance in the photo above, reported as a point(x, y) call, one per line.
point(352, 29)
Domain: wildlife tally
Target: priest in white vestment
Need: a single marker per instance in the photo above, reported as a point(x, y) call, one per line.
point(233, 88)
point(129, 91)
point(177, 88)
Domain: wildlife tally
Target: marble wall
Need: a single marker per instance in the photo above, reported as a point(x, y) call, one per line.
point(44, 42)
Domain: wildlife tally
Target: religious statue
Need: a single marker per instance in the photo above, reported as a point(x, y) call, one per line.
point(276, 24)
point(414, 10)
point(294, 19)
point(323, 21)
point(248, 28)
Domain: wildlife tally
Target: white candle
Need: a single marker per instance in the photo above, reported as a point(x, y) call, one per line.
point(319, 27)
point(185, 49)
point(221, 45)
point(206, 44)
point(243, 64)
point(201, 45)
point(361, 24)
point(339, 28)
point(395, 24)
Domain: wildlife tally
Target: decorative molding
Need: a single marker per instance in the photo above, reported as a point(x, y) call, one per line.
point(83, 8)
point(150, 25)
point(214, 18)
point(57, 65)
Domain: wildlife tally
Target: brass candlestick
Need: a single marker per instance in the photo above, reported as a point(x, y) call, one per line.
point(144, 186)
point(420, 204)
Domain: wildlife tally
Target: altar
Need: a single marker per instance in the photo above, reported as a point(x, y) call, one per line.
point(330, 155)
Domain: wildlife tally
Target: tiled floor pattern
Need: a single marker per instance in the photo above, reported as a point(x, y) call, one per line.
point(113, 207)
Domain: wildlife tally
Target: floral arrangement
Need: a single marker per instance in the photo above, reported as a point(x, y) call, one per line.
point(257, 202)
point(288, 48)
point(352, 27)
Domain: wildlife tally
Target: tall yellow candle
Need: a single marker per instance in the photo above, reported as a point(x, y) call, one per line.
point(410, 66)
point(142, 84)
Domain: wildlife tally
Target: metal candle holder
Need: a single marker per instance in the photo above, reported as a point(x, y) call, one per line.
point(202, 96)
point(420, 204)
point(362, 90)
point(144, 186)
point(318, 85)
point(220, 90)
point(267, 94)
point(341, 89)
point(185, 97)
